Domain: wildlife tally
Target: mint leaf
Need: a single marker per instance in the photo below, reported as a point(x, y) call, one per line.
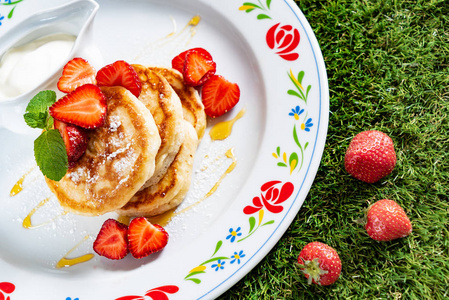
point(41, 102)
point(36, 120)
point(50, 154)
point(36, 113)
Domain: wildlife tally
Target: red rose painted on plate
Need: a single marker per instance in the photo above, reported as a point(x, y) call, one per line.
point(159, 293)
point(284, 40)
point(271, 197)
point(6, 288)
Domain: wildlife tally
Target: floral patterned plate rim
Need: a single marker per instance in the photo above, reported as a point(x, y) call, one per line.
point(245, 191)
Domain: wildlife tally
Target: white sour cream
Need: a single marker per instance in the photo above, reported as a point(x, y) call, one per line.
point(25, 67)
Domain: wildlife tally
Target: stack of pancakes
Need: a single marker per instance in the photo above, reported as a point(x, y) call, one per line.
point(140, 162)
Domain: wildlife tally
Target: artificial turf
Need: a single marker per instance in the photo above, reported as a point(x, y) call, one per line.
point(388, 69)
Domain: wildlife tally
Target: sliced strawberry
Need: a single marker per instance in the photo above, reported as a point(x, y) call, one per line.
point(86, 107)
point(112, 240)
point(219, 95)
point(76, 73)
point(198, 68)
point(120, 73)
point(145, 238)
point(75, 140)
point(179, 60)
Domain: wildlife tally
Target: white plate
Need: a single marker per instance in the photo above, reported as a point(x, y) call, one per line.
point(271, 144)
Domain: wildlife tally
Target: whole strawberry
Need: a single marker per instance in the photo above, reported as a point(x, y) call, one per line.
point(370, 156)
point(386, 221)
point(320, 263)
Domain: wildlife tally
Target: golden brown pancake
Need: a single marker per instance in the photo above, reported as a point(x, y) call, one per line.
point(165, 194)
point(119, 159)
point(192, 107)
point(164, 104)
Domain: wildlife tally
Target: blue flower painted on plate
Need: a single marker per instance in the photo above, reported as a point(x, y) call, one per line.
point(237, 256)
point(295, 112)
point(219, 265)
point(70, 298)
point(1, 18)
point(307, 125)
point(233, 234)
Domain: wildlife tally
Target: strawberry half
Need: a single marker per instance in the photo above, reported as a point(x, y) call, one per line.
point(145, 238)
point(76, 73)
point(112, 240)
point(198, 68)
point(86, 107)
point(179, 60)
point(219, 95)
point(386, 221)
point(120, 73)
point(75, 140)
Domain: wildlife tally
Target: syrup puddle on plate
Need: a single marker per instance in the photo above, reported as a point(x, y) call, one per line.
point(124, 219)
point(66, 262)
point(222, 130)
point(165, 218)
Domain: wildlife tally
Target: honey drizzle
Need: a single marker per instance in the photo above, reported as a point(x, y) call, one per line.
point(193, 22)
point(165, 218)
point(159, 43)
point(222, 130)
point(27, 221)
point(65, 262)
point(18, 187)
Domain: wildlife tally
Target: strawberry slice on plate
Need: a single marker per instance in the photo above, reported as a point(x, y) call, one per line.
point(112, 240)
point(145, 238)
point(86, 107)
point(75, 140)
point(76, 73)
point(179, 60)
point(120, 73)
point(198, 68)
point(219, 96)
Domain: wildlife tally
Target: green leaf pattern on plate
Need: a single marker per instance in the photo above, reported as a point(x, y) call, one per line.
point(11, 6)
point(262, 8)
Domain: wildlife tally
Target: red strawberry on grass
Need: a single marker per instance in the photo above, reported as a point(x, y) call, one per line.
point(120, 73)
point(370, 156)
point(112, 240)
point(219, 96)
point(76, 73)
point(198, 68)
point(86, 107)
point(320, 263)
point(386, 221)
point(75, 140)
point(179, 60)
point(145, 238)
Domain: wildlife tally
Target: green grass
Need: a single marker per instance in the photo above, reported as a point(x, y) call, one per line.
point(387, 63)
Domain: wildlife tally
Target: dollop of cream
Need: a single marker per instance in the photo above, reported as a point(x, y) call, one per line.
point(24, 67)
